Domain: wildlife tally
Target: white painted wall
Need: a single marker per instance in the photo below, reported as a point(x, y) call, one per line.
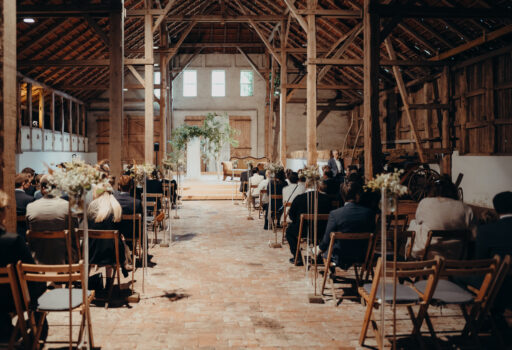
point(484, 177)
point(37, 160)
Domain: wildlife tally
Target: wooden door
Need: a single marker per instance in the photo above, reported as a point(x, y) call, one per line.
point(196, 121)
point(243, 125)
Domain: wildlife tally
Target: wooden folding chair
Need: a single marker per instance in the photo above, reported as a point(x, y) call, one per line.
point(8, 278)
point(287, 206)
point(470, 300)
point(406, 295)
point(328, 273)
point(273, 208)
point(253, 199)
point(155, 218)
point(459, 237)
point(135, 239)
point(56, 300)
point(33, 236)
point(107, 234)
point(304, 218)
point(260, 208)
point(487, 305)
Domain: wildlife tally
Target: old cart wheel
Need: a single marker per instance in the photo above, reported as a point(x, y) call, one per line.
point(420, 181)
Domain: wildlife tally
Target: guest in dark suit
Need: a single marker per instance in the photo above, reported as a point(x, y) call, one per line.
point(31, 174)
point(302, 204)
point(275, 188)
point(336, 165)
point(331, 187)
point(12, 250)
point(22, 200)
point(496, 238)
point(125, 199)
point(154, 185)
point(351, 218)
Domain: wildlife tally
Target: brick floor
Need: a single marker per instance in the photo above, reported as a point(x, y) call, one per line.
point(219, 286)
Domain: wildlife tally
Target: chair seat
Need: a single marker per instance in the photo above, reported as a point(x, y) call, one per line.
point(58, 299)
point(404, 294)
point(447, 292)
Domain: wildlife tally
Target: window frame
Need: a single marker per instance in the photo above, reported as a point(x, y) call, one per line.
point(184, 83)
point(251, 83)
point(217, 84)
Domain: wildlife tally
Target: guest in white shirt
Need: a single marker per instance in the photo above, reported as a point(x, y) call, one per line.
point(293, 189)
point(263, 186)
point(255, 180)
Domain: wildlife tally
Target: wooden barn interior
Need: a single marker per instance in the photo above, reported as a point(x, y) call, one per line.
point(425, 83)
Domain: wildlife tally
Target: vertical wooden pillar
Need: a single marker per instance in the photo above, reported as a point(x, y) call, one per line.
point(8, 106)
point(284, 81)
point(267, 110)
point(446, 164)
point(148, 90)
point(84, 121)
point(116, 87)
point(311, 87)
point(372, 144)
point(163, 92)
point(62, 123)
point(52, 117)
point(70, 125)
point(271, 123)
point(29, 109)
point(41, 108)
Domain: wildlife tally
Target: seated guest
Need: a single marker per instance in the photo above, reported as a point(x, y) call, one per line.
point(351, 218)
point(31, 174)
point(12, 250)
point(38, 194)
point(127, 205)
point(336, 165)
point(154, 186)
point(441, 210)
point(263, 186)
point(302, 183)
point(331, 185)
point(104, 213)
point(22, 200)
point(173, 186)
point(291, 191)
point(275, 187)
point(304, 204)
point(254, 180)
point(50, 213)
point(287, 174)
point(496, 238)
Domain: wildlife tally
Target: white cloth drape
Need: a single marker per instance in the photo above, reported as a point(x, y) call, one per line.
point(194, 158)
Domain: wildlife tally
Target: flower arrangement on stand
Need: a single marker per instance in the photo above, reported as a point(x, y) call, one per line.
point(76, 178)
point(274, 168)
point(139, 173)
point(390, 187)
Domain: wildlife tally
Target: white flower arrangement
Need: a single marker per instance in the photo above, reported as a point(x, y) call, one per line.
point(138, 172)
point(310, 172)
point(390, 182)
point(273, 167)
point(76, 177)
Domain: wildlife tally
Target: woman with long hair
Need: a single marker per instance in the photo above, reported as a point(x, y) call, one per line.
point(104, 213)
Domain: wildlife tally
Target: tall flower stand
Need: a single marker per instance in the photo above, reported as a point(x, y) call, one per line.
point(314, 298)
point(272, 221)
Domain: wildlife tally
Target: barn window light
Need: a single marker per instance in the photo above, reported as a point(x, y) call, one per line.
point(125, 89)
point(29, 20)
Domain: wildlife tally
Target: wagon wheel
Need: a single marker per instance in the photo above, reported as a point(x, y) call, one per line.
point(420, 181)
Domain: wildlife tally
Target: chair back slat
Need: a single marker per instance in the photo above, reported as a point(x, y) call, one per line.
point(31, 236)
point(276, 196)
point(8, 277)
point(100, 234)
point(310, 217)
point(447, 235)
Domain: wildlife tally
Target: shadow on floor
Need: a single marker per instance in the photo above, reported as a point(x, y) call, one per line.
point(184, 237)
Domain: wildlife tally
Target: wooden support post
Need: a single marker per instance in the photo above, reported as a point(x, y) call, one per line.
point(405, 99)
point(148, 91)
point(463, 89)
point(446, 163)
point(372, 143)
point(271, 119)
point(29, 109)
point(41, 109)
point(282, 109)
point(52, 118)
point(8, 107)
point(267, 110)
point(84, 121)
point(18, 116)
point(163, 93)
point(311, 87)
point(70, 121)
point(116, 99)
point(62, 122)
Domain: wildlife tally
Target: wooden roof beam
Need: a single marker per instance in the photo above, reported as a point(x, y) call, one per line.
point(295, 13)
point(161, 17)
point(97, 29)
point(251, 63)
point(408, 11)
point(75, 10)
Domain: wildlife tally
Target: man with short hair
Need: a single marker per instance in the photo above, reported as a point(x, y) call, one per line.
point(50, 213)
point(22, 200)
point(351, 218)
point(31, 174)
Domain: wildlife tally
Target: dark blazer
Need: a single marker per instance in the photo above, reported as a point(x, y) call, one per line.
point(30, 191)
point(351, 218)
point(276, 187)
point(154, 186)
point(494, 238)
point(102, 251)
point(334, 167)
point(332, 188)
point(13, 249)
point(126, 202)
point(22, 200)
point(300, 206)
